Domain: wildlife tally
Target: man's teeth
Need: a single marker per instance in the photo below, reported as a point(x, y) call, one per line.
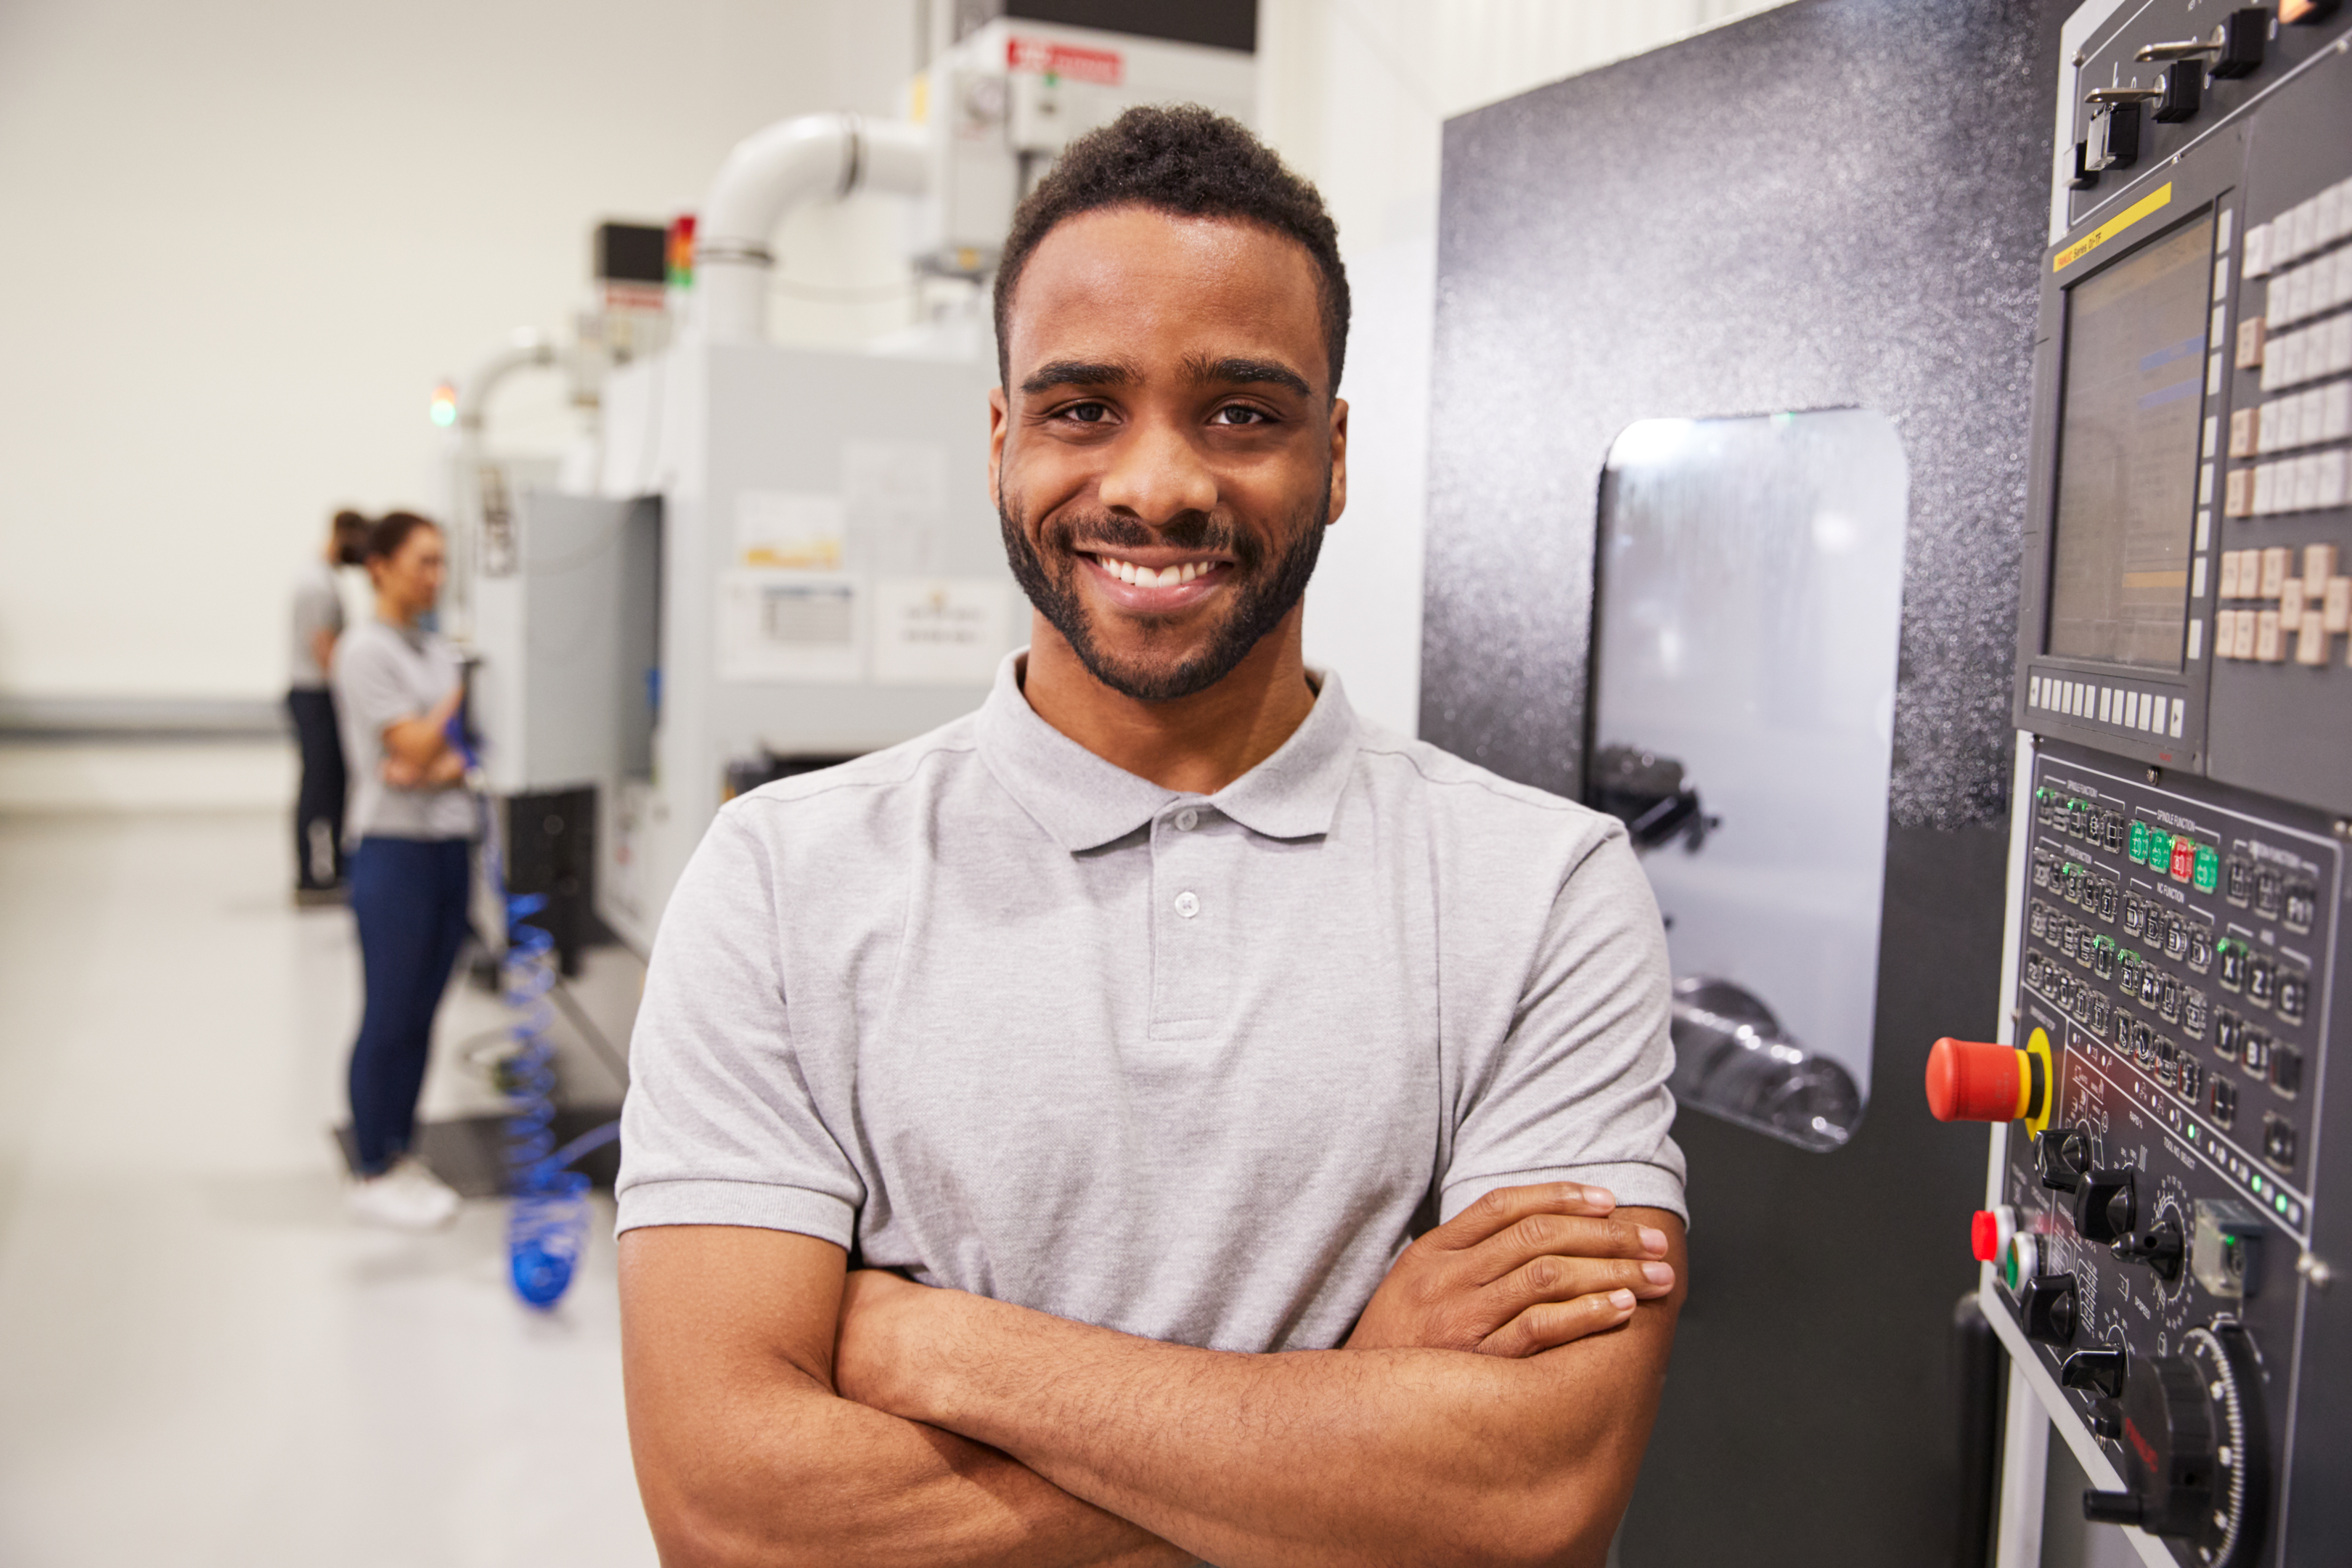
point(1145, 577)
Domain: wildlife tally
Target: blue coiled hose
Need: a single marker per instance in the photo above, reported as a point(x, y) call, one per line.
point(548, 1227)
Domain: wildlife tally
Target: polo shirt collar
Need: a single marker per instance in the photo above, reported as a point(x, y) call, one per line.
point(1084, 802)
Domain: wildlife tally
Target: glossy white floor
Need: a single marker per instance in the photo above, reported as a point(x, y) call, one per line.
point(201, 1361)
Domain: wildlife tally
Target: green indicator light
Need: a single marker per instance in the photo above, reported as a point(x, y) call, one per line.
point(2139, 843)
point(2159, 848)
point(2256, 1183)
point(2209, 868)
point(2192, 1132)
point(2279, 1203)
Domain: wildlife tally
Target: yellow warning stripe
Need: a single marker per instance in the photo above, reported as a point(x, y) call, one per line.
point(2155, 200)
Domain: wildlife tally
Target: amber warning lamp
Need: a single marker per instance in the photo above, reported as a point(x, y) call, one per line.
point(1970, 1080)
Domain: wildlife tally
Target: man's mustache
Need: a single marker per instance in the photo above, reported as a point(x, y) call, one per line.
point(1186, 530)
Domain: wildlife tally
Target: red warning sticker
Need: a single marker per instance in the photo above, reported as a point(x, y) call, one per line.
point(1102, 66)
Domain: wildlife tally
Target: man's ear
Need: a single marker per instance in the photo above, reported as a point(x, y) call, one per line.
point(1000, 419)
point(1339, 460)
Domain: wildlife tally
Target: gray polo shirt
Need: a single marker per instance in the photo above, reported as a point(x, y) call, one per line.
point(987, 1009)
point(318, 607)
point(384, 674)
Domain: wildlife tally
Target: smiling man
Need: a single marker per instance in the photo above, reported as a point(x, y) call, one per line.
point(1160, 1117)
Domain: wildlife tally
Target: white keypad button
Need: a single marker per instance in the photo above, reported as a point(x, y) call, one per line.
point(2229, 585)
point(2330, 491)
point(2335, 408)
point(2336, 358)
point(2225, 634)
point(2335, 608)
point(2257, 249)
point(2248, 630)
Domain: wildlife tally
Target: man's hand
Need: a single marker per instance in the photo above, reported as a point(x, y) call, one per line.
point(1392, 1454)
point(1520, 1271)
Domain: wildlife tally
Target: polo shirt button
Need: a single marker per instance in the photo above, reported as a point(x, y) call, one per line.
point(1188, 819)
point(1187, 905)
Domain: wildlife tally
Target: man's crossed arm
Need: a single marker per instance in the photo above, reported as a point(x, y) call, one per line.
point(784, 1411)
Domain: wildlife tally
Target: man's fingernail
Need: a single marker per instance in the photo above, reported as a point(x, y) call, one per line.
point(1652, 1239)
point(1658, 1273)
point(1622, 1300)
point(1600, 1197)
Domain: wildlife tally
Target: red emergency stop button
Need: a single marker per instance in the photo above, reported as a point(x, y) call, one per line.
point(1970, 1080)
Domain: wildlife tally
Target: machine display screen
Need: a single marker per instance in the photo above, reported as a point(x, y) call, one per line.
point(2128, 451)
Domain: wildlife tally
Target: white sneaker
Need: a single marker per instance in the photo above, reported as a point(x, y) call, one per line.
point(407, 1197)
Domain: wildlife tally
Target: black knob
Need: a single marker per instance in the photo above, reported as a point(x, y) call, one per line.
point(2104, 1206)
point(2160, 1246)
point(2184, 91)
point(2100, 1372)
point(2060, 1158)
point(2243, 33)
point(2104, 1422)
point(2048, 1301)
point(2170, 1461)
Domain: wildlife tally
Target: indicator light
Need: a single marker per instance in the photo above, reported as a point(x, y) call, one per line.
point(2184, 860)
point(680, 259)
point(2160, 849)
point(445, 405)
point(2139, 850)
point(2209, 868)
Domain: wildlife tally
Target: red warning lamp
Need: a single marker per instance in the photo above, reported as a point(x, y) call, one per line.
point(681, 251)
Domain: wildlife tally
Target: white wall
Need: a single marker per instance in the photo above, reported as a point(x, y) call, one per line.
point(248, 236)
point(1354, 94)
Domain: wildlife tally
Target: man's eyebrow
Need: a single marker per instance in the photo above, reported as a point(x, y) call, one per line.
point(1078, 373)
point(1239, 370)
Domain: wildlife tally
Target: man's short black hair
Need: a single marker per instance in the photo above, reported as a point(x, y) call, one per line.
point(1189, 161)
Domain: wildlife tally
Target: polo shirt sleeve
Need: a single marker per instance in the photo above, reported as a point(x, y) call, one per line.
point(719, 1126)
point(1577, 1091)
point(369, 687)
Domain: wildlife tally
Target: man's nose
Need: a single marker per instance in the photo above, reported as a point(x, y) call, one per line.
point(1156, 474)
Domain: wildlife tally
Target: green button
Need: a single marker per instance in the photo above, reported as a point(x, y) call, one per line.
point(2160, 849)
point(2139, 843)
point(2209, 868)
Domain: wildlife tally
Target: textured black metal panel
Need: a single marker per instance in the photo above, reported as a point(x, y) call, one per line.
point(1837, 202)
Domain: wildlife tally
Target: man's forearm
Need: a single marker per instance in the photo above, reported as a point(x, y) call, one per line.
point(1340, 1456)
point(745, 1455)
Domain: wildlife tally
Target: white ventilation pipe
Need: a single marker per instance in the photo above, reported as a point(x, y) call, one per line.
point(768, 172)
point(526, 350)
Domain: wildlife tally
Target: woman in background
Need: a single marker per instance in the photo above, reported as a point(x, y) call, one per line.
point(318, 805)
point(397, 686)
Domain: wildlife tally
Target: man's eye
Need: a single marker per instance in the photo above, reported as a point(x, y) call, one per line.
point(1239, 414)
point(1087, 413)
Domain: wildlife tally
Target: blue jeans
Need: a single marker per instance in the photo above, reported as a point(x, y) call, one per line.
point(409, 896)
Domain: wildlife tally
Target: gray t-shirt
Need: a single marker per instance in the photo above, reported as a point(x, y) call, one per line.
point(384, 674)
point(318, 607)
point(988, 1009)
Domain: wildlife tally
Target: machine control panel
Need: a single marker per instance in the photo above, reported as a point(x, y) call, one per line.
point(2157, 1225)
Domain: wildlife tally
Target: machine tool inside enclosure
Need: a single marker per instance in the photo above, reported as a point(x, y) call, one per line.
point(2167, 1182)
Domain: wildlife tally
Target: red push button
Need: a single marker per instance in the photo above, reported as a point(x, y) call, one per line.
point(1969, 1080)
point(1984, 1236)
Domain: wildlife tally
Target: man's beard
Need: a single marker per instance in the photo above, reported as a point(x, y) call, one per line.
point(1260, 602)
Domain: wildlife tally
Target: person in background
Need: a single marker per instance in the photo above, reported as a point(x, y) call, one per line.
point(318, 805)
point(398, 686)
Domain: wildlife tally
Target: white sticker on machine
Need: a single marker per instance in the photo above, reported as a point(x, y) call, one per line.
point(777, 624)
point(940, 631)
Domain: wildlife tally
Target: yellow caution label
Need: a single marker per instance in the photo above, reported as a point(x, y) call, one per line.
point(2156, 200)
